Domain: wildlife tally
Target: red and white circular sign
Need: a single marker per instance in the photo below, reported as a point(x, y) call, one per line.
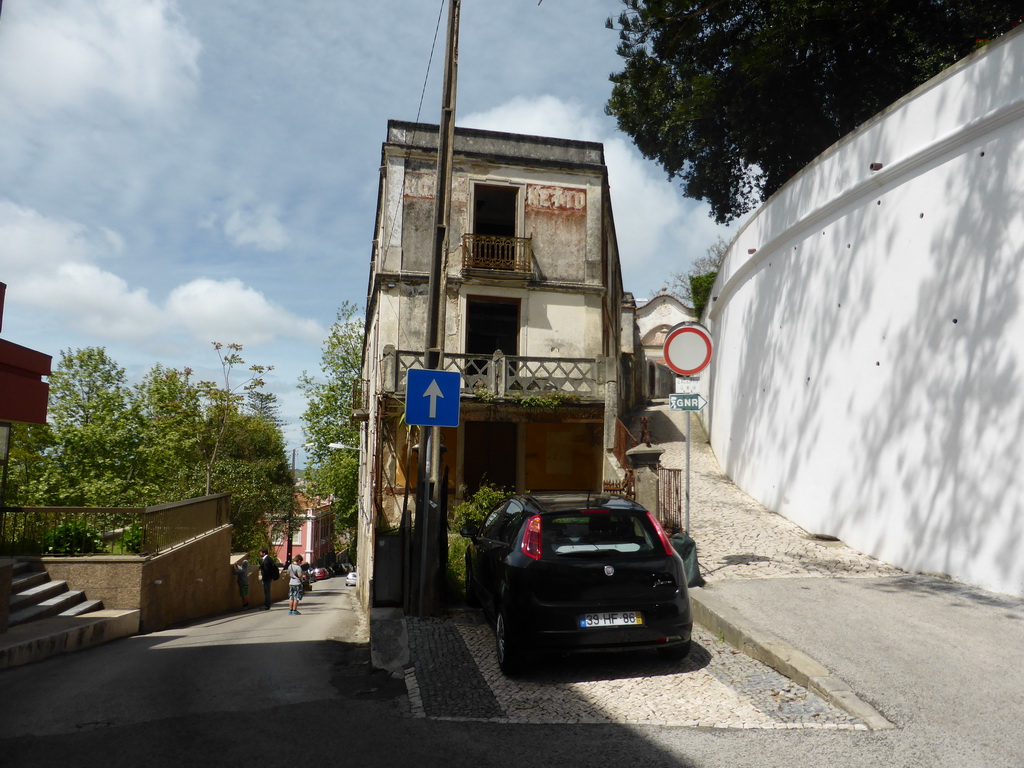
point(687, 349)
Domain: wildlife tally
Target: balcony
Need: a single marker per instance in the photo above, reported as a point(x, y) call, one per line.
point(504, 376)
point(509, 255)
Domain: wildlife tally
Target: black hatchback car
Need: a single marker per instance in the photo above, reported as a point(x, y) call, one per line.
point(567, 572)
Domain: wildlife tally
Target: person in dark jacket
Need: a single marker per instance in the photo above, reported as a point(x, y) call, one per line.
point(268, 573)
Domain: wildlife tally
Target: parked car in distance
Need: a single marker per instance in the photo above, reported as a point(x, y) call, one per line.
point(321, 573)
point(568, 572)
point(351, 579)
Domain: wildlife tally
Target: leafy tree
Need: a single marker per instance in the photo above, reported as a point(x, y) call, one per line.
point(168, 438)
point(264, 405)
point(26, 464)
point(700, 290)
point(733, 97)
point(253, 467)
point(332, 470)
point(681, 284)
point(95, 428)
point(241, 451)
point(222, 403)
point(173, 421)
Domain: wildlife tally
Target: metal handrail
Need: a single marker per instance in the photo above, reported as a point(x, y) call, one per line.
point(76, 531)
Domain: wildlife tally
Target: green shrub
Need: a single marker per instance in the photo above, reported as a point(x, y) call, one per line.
point(549, 400)
point(474, 509)
point(700, 291)
point(75, 537)
point(455, 569)
point(132, 539)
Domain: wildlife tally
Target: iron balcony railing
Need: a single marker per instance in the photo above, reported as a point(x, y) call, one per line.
point(501, 254)
point(504, 376)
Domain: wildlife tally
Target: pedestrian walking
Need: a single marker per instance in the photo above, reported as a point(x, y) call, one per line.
point(268, 573)
point(295, 588)
point(242, 578)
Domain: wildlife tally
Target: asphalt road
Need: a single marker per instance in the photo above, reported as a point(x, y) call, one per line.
point(257, 686)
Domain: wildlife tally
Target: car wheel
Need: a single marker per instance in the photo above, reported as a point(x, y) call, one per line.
point(511, 659)
point(675, 652)
point(472, 600)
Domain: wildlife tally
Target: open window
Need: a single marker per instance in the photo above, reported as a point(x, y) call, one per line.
point(495, 210)
point(491, 324)
point(493, 241)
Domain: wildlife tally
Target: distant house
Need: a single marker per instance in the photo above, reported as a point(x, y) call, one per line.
point(537, 324)
point(654, 319)
point(313, 532)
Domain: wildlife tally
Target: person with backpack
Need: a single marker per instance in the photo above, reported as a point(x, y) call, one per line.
point(268, 573)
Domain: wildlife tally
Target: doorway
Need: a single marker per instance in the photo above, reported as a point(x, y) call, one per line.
point(490, 454)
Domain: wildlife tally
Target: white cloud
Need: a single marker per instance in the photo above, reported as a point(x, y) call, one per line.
point(96, 302)
point(257, 227)
point(52, 265)
point(71, 54)
point(539, 116)
point(231, 312)
point(33, 244)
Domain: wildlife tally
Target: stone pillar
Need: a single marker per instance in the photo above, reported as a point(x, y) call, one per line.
point(645, 460)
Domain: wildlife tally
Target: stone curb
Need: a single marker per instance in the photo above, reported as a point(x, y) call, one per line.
point(722, 620)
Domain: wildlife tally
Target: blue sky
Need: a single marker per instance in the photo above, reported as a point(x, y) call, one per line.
point(177, 172)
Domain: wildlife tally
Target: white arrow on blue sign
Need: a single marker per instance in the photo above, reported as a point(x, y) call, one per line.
point(432, 398)
point(686, 402)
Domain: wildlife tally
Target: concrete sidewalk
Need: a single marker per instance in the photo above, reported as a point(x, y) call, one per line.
point(738, 539)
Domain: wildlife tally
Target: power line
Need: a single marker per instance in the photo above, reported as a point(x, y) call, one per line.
point(433, 47)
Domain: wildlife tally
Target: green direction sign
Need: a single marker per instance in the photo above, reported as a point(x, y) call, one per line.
point(686, 402)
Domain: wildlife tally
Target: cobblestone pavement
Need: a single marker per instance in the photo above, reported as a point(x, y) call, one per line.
point(454, 673)
point(736, 537)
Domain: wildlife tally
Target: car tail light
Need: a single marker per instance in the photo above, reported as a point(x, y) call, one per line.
point(531, 538)
point(661, 534)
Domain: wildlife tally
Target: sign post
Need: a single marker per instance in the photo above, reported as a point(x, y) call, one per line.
point(687, 352)
point(431, 400)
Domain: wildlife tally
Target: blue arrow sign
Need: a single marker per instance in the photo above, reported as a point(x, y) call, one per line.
point(432, 398)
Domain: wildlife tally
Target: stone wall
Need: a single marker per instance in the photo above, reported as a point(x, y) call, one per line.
point(190, 581)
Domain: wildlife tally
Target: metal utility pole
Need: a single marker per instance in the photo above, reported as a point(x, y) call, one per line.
point(427, 506)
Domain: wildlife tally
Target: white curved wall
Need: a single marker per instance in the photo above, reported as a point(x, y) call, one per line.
point(868, 376)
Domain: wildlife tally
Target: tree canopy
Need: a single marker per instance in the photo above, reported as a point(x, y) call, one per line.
point(733, 97)
point(332, 438)
point(168, 438)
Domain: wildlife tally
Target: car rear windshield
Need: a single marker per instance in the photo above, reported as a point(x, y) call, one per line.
point(585, 533)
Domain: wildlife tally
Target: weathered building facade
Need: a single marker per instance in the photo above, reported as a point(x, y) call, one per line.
point(532, 302)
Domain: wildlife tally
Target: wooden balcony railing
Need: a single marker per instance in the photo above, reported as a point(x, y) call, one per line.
point(502, 254)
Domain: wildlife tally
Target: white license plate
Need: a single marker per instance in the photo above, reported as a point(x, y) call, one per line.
point(619, 619)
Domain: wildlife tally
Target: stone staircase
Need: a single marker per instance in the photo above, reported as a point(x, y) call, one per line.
point(35, 596)
point(47, 618)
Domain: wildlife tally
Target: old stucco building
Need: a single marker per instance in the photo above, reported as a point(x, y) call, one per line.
point(536, 320)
